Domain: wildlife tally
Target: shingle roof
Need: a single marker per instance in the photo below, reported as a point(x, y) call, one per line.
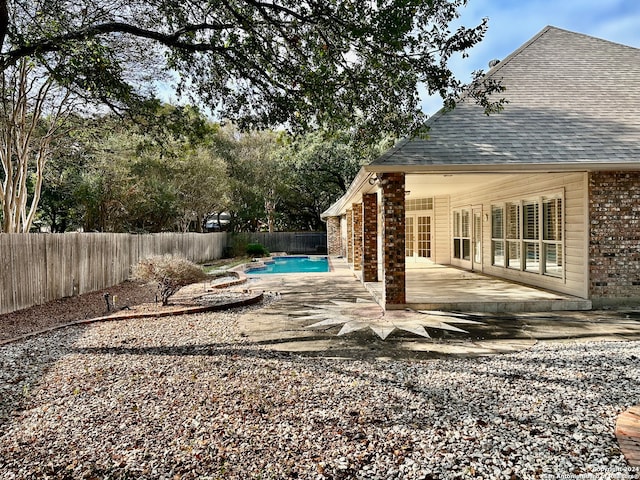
point(573, 100)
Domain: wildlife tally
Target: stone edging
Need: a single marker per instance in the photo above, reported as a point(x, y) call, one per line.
point(241, 278)
point(127, 316)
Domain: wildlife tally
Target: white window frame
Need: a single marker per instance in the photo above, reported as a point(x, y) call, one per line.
point(538, 249)
point(461, 234)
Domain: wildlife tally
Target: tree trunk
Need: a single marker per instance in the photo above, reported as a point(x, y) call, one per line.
point(23, 150)
point(4, 22)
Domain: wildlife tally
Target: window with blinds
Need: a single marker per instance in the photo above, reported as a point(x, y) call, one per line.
point(497, 236)
point(531, 236)
point(513, 236)
point(527, 235)
point(552, 235)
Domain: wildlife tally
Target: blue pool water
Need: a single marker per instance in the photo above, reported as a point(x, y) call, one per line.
point(293, 265)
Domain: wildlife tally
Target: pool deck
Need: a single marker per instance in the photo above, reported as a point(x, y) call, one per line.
point(284, 323)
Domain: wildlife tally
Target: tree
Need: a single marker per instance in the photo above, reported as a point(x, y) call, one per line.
point(60, 207)
point(301, 63)
point(258, 178)
point(203, 187)
point(33, 111)
point(192, 148)
point(322, 165)
point(162, 172)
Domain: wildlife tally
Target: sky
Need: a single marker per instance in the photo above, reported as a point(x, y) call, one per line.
point(513, 22)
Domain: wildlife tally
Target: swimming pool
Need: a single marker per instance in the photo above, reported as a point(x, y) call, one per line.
point(298, 264)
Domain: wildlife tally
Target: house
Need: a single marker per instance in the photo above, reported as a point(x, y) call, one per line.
point(545, 193)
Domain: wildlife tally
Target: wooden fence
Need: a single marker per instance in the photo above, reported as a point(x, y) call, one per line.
point(37, 268)
point(294, 243)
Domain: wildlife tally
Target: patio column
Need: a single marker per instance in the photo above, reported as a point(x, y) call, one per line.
point(333, 236)
point(393, 238)
point(349, 236)
point(357, 236)
point(370, 237)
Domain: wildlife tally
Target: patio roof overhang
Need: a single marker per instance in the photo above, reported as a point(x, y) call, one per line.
point(505, 167)
point(358, 186)
point(450, 178)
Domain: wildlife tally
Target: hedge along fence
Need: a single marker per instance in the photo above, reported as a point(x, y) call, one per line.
point(37, 268)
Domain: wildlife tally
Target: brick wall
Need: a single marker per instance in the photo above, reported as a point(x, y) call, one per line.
point(357, 236)
point(334, 237)
point(393, 237)
point(614, 239)
point(370, 237)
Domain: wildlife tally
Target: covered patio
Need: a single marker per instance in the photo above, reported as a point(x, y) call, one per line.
point(542, 196)
point(442, 287)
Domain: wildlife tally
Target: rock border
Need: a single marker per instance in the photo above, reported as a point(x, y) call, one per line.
point(241, 278)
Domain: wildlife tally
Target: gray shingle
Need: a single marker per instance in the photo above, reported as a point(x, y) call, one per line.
point(573, 100)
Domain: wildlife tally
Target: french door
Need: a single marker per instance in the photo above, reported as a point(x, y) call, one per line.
point(418, 238)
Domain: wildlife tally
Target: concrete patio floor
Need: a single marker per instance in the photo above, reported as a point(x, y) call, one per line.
point(283, 325)
point(453, 289)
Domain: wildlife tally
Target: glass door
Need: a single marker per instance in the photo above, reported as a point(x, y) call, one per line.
point(418, 238)
point(423, 250)
point(409, 239)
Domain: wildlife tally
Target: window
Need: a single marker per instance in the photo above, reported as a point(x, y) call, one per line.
point(424, 237)
point(513, 235)
point(527, 235)
point(531, 235)
point(414, 204)
point(497, 236)
point(462, 234)
point(552, 235)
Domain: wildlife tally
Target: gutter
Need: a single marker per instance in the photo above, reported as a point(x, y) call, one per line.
point(359, 185)
point(548, 167)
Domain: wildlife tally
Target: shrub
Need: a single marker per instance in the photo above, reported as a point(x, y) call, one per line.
point(256, 250)
point(169, 272)
point(238, 244)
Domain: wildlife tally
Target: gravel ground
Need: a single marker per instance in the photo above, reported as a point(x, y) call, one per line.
point(188, 397)
point(130, 295)
point(71, 309)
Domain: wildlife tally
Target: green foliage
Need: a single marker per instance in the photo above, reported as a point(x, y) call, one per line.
point(321, 166)
point(175, 168)
point(339, 64)
point(161, 175)
point(238, 244)
point(169, 272)
point(62, 187)
point(257, 250)
point(258, 180)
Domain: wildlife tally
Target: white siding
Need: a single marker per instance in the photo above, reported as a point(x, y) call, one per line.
point(442, 227)
point(516, 187)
